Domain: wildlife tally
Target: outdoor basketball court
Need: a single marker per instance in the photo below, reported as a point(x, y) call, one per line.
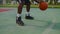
point(45, 22)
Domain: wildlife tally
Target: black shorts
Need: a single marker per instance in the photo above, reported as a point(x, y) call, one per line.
point(24, 1)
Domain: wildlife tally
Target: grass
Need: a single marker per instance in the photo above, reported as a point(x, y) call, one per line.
point(32, 6)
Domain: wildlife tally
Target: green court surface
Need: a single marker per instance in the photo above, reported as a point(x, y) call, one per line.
point(45, 22)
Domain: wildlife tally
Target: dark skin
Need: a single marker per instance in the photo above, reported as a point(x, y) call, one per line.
point(21, 4)
point(27, 7)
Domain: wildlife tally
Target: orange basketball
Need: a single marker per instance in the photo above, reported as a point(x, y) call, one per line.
point(43, 6)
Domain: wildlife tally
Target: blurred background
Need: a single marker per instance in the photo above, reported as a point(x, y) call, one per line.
point(45, 22)
point(13, 3)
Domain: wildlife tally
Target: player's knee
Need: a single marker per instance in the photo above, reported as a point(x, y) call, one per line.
point(20, 5)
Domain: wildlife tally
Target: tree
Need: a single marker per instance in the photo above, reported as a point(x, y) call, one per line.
point(55, 2)
point(4, 1)
point(51, 2)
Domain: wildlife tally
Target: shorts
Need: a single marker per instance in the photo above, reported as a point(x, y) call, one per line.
point(24, 1)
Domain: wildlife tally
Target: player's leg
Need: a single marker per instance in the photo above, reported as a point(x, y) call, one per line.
point(18, 18)
point(28, 10)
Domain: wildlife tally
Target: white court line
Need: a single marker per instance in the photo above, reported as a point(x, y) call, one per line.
point(50, 27)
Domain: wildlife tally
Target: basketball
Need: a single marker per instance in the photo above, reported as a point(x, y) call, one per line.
point(43, 6)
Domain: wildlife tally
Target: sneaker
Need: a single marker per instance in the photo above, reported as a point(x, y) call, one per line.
point(29, 17)
point(19, 21)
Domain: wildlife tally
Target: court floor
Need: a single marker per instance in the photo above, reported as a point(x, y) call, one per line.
point(45, 22)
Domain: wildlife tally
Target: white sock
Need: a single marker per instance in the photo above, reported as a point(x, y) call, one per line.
point(27, 13)
point(18, 15)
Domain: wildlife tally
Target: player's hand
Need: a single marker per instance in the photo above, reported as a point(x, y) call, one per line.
point(36, 1)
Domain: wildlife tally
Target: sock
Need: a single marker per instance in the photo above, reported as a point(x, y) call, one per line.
point(27, 13)
point(18, 15)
